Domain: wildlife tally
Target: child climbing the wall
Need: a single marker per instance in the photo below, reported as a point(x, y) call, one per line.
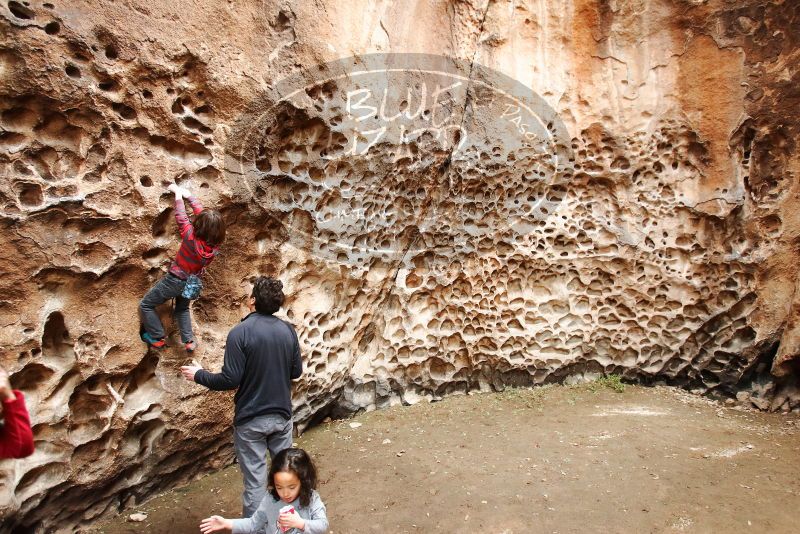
point(199, 244)
point(292, 504)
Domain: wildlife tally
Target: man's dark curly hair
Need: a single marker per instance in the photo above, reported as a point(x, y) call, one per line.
point(295, 461)
point(268, 293)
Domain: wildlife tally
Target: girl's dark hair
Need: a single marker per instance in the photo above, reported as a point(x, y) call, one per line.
point(209, 227)
point(295, 461)
point(268, 293)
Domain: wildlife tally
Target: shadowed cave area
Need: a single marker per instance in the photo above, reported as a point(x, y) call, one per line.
point(505, 201)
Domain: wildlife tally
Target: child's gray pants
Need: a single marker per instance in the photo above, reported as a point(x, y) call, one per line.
point(168, 287)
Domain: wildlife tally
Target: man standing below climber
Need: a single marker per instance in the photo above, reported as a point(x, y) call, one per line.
point(262, 356)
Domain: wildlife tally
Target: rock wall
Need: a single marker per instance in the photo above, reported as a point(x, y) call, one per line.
point(612, 188)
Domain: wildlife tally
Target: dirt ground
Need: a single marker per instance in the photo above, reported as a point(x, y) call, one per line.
point(551, 460)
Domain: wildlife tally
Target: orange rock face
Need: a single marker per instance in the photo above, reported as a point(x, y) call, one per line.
point(457, 195)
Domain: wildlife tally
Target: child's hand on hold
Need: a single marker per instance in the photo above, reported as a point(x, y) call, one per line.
point(185, 192)
point(289, 520)
point(215, 523)
point(175, 188)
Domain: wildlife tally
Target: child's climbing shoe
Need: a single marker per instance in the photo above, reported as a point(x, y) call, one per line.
point(155, 343)
point(190, 346)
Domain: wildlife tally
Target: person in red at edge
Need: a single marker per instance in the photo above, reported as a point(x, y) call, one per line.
point(16, 437)
point(199, 244)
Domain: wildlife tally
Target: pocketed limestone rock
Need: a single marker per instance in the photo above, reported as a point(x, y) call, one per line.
point(648, 227)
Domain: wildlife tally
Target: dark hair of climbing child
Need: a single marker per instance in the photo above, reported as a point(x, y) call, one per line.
point(209, 226)
point(298, 463)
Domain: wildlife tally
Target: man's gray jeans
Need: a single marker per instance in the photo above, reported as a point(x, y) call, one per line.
point(251, 440)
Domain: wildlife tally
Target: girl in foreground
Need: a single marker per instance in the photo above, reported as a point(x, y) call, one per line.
point(292, 503)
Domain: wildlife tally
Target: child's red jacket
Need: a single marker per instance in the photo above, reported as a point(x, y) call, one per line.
point(194, 254)
point(16, 437)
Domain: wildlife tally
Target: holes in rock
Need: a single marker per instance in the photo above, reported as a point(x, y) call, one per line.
point(146, 181)
point(147, 94)
point(92, 177)
point(87, 405)
point(20, 11)
point(208, 173)
point(12, 141)
point(143, 436)
point(195, 124)
point(20, 118)
point(38, 480)
point(326, 91)
point(88, 224)
point(282, 21)
point(698, 153)
point(56, 341)
point(159, 227)
point(109, 85)
point(31, 376)
point(316, 174)
point(111, 52)
point(152, 253)
point(30, 194)
point(771, 225)
point(747, 143)
point(93, 255)
point(142, 375)
point(52, 28)
point(124, 111)
point(187, 151)
point(79, 51)
point(56, 130)
point(72, 71)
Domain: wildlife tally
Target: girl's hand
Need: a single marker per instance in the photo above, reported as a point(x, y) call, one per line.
point(288, 520)
point(175, 188)
point(185, 192)
point(215, 523)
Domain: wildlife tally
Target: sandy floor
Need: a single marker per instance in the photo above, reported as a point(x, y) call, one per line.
point(559, 459)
